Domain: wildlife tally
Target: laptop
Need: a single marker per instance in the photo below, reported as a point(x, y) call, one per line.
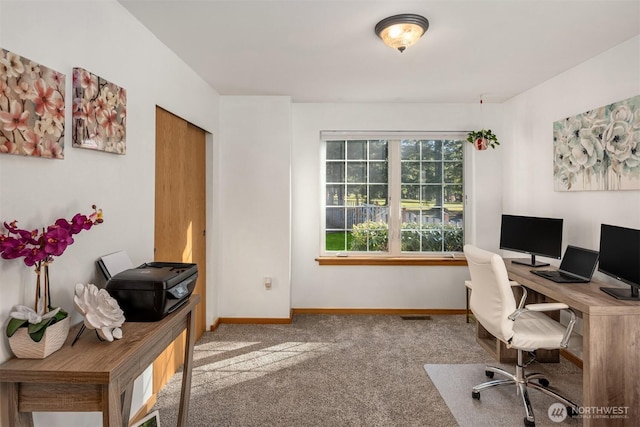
point(577, 266)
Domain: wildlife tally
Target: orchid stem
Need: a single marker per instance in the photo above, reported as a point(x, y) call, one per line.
point(37, 285)
point(47, 293)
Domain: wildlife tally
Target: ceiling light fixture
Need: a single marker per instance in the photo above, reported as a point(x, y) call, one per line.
point(401, 31)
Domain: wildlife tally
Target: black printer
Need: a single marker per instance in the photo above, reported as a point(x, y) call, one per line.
point(151, 291)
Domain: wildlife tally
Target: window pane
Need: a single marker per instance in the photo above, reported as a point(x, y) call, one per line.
point(410, 172)
point(432, 195)
point(377, 150)
point(431, 150)
point(335, 171)
point(452, 150)
point(357, 172)
point(335, 195)
point(410, 215)
point(335, 150)
point(453, 172)
point(410, 150)
point(357, 150)
point(410, 195)
point(453, 238)
point(453, 195)
point(455, 218)
point(431, 239)
point(411, 237)
point(336, 240)
point(432, 216)
point(335, 218)
point(356, 195)
point(431, 172)
point(379, 195)
point(378, 172)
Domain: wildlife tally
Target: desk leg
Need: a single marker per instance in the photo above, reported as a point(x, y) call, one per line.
point(611, 369)
point(16, 418)
point(126, 404)
point(112, 407)
point(467, 314)
point(185, 393)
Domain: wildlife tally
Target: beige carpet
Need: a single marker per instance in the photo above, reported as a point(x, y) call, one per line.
point(342, 371)
point(501, 406)
point(323, 371)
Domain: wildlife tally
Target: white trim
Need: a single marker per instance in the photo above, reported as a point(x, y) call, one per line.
point(326, 135)
point(394, 194)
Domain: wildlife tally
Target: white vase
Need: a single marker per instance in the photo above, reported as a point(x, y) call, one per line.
point(54, 337)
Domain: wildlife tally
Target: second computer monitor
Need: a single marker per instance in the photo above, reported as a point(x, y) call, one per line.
point(533, 236)
point(620, 259)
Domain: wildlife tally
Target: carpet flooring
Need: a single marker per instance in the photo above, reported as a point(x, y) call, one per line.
point(332, 370)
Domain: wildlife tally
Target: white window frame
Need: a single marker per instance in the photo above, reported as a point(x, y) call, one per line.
point(394, 176)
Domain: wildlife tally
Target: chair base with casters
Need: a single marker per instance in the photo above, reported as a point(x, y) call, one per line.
point(522, 381)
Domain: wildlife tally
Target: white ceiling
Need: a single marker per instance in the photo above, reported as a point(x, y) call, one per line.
point(327, 51)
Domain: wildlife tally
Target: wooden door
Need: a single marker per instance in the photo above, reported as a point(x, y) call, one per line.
point(180, 207)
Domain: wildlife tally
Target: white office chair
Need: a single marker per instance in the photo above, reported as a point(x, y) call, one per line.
point(524, 328)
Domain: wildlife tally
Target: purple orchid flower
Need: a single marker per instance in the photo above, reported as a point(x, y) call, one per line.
point(36, 247)
point(56, 240)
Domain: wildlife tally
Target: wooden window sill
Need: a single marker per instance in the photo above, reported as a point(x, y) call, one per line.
point(410, 261)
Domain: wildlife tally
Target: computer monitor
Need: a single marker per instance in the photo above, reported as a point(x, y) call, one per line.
point(620, 259)
point(532, 235)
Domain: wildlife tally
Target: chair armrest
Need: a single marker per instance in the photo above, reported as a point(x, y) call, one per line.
point(551, 306)
point(515, 284)
point(547, 306)
point(567, 334)
point(513, 316)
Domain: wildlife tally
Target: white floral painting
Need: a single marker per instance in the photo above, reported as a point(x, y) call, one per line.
point(599, 149)
point(31, 108)
point(99, 113)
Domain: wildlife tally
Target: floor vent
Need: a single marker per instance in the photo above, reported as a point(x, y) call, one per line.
point(416, 317)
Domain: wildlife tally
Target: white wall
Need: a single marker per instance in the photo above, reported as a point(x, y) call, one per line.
point(389, 286)
point(528, 179)
point(254, 191)
point(104, 38)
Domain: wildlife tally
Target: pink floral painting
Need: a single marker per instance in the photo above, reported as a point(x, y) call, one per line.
point(31, 108)
point(99, 113)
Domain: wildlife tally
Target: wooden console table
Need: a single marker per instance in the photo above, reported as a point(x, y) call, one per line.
point(96, 376)
point(611, 344)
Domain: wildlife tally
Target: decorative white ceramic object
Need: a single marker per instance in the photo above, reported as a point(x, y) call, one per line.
point(100, 311)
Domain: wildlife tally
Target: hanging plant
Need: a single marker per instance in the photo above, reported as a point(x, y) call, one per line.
point(483, 139)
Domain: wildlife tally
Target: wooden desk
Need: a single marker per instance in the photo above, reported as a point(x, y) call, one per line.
point(611, 343)
point(95, 376)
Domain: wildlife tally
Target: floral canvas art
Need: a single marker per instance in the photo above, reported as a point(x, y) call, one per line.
point(599, 149)
point(31, 108)
point(99, 113)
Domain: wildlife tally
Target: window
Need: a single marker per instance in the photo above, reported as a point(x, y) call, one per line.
point(393, 195)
